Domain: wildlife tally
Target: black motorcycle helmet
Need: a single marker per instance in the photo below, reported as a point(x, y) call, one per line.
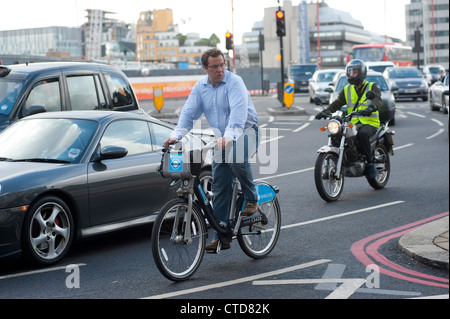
point(356, 71)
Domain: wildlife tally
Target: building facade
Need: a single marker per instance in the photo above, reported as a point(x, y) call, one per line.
point(106, 38)
point(338, 32)
point(65, 41)
point(431, 19)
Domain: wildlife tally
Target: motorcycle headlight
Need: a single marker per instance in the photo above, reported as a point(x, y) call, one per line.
point(333, 127)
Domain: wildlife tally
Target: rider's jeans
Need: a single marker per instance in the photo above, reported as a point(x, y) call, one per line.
point(234, 162)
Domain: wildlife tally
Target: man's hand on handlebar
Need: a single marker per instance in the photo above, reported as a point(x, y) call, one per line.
point(170, 141)
point(368, 111)
point(323, 115)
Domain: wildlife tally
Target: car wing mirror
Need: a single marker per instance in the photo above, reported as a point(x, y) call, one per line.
point(110, 152)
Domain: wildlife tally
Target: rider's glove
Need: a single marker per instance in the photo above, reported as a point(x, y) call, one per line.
point(323, 115)
point(368, 110)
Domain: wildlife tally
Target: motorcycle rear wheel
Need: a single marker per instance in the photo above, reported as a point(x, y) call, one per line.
point(328, 186)
point(383, 167)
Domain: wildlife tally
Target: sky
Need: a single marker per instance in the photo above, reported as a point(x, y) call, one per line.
point(199, 16)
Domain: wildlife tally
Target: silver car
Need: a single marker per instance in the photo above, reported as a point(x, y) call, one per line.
point(319, 82)
point(410, 82)
point(438, 98)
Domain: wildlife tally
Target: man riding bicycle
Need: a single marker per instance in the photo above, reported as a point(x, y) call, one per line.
point(226, 103)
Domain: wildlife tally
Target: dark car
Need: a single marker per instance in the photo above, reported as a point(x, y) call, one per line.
point(68, 175)
point(410, 82)
point(387, 112)
point(438, 98)
point(299, 74)
point(31, 88)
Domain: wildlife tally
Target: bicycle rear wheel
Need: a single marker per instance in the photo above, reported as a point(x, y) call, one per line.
point(176, 257)
point(257, 242)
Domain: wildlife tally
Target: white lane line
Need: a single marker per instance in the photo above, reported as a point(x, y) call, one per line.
point(362, 210)
point(285, 174)
point(271, 139)
point(438, 122)
point(418, 115)
point(38, 271)
point(403, 146)
point(239, 280)
point(301, 127)
point(440, 131)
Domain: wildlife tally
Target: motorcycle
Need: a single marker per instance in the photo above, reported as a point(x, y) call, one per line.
point(340, 158)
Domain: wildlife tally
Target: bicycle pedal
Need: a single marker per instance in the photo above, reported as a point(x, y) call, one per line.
point(260, 225)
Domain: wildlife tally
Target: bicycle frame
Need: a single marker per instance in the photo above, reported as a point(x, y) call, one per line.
point(191, 186)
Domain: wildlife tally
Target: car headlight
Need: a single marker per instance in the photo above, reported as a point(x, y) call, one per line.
point(333, 127)
point(424, 84)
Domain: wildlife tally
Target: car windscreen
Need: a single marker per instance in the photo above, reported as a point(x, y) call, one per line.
point(303, 69)
point(378, 79)
point(9, 91)
point(47, 140)
point(404, 73)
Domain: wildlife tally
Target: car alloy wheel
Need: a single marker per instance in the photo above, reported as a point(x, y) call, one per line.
point(48, 231)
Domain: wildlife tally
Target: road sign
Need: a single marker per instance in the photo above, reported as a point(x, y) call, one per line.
point(288, 94)
point(158, 98)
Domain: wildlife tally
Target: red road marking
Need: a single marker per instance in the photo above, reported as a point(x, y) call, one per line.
point(362, 250)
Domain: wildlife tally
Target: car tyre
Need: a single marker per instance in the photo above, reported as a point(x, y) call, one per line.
point(432, 104)
point(48, 231)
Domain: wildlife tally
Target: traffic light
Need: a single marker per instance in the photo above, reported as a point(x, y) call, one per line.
point(281, 26)
point(229, 41)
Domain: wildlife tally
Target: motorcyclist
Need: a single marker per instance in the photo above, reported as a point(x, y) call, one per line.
point(354, 96)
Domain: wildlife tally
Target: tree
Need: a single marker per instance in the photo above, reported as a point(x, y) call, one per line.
point(181, 39)
point(211, 42)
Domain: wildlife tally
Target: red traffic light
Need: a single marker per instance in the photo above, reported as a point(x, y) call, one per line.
point(228, 35)
point(279, 14)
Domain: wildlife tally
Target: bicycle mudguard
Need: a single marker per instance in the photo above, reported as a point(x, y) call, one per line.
point(266, 192)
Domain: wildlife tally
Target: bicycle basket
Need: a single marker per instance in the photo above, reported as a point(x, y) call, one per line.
point(179, 164)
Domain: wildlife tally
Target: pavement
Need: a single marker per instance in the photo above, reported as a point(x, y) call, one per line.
point(427, 244)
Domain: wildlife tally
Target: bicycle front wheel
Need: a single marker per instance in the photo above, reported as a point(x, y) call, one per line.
point(176, 255)
point(256, 241)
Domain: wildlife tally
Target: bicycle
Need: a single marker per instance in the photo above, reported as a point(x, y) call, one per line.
point(180, 229)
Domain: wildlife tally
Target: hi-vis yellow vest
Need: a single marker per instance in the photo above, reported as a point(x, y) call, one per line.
point(350, 90)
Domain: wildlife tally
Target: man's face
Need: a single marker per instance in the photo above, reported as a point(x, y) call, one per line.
point(215, 69)
point(354, 72)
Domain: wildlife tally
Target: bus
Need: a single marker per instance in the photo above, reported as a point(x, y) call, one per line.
point(393, 52)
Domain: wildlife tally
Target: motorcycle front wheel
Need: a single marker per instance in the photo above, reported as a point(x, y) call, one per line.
point(328, 186)
point(383, 167)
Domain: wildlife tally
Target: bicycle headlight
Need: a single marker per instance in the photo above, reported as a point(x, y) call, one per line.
point(333, 127)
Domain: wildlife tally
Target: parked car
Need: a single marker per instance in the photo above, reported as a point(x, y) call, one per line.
point(319, 82)
point(71, 175)
point(299, 74)
point(410, 82)
point(433, 73)
point(439, 100)
point(387, 112)
point(31, 88)
point(379, 66)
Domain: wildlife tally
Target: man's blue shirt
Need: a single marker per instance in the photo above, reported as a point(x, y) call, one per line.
point(228, 107)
